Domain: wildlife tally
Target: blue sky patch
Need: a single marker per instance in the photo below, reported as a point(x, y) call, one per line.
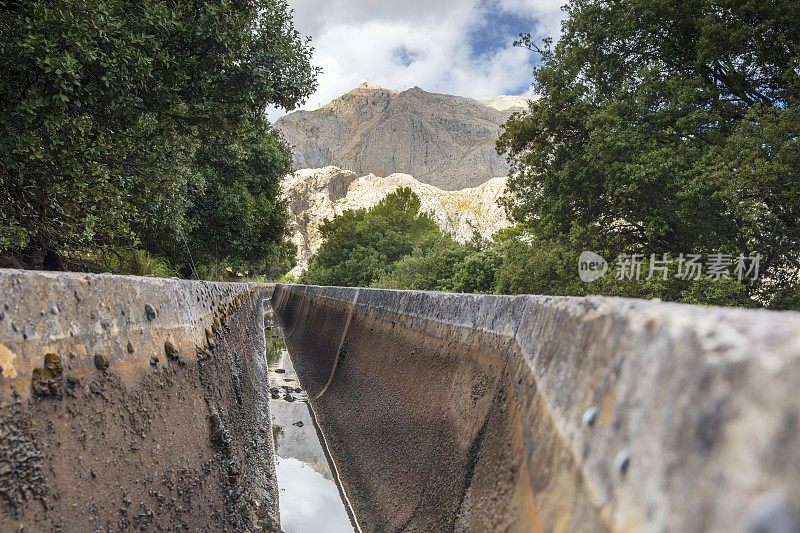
point(404, 56)
point(496, 29)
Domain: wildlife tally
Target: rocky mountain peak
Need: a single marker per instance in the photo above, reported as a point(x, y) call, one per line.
point(443, 140)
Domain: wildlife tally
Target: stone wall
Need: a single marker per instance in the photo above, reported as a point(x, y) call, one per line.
point(133, 403)
point(532, 413)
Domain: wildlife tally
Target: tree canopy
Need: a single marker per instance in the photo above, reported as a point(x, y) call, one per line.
point(360, 246)
point(666, 127)
point(141, 126)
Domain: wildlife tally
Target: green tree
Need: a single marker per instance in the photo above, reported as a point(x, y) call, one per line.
point(666, 128)
point(240, 222)
point(535, 266)
point(530, 265)
point(108, 114)
point(430, 266)
point(360, 246)
point(440, 263)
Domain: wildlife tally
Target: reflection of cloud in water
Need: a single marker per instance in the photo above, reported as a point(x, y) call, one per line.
point(308, 501)
point(298, 442)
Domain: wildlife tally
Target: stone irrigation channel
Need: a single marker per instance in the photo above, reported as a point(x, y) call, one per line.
point(133, 404)
point(143, 404)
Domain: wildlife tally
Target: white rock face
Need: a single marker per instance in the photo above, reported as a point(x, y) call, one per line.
point(318, 194)
point(505, 102)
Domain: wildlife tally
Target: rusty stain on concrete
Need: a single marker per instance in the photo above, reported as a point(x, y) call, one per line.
point(7, 362)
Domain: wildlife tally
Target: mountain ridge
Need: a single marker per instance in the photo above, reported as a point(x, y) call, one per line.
point(443, 140)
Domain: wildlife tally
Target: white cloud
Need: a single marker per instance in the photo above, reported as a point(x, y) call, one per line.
point(425, 43)
point(312, 16)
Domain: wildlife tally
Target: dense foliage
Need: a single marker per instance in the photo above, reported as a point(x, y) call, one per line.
point(360, 246)
point(131, 130)
point(512, 264)
point(665, 127)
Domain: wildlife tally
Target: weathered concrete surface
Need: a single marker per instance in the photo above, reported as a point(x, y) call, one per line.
point(133, 403)
point(483, 413)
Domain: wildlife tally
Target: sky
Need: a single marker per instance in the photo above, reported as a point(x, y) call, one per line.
point(461, 47)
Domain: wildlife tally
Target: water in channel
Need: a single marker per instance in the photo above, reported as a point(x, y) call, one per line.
point(310, 498)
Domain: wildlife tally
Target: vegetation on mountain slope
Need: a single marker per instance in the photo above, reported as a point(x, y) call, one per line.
point(362, 245)
point(394, 246)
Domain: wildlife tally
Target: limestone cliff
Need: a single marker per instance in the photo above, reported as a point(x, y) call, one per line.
point(446, 141)
point(506, 103)
point(317, 194)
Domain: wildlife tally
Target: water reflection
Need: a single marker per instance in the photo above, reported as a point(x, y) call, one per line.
point(274, 343)
point(310, 500)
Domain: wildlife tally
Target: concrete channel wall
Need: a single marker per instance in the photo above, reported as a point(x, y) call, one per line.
point(483, 413)
point(133, 404)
